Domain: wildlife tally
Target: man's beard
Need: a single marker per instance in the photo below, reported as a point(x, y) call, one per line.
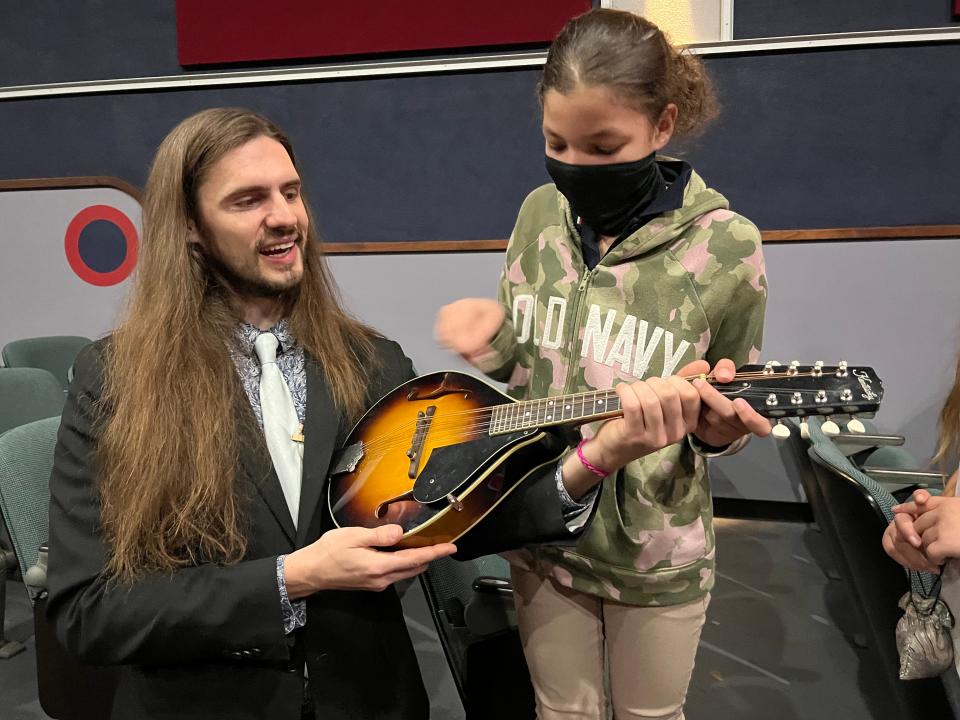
point(243, 285)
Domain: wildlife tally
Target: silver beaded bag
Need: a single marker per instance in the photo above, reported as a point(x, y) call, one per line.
point(924, 641)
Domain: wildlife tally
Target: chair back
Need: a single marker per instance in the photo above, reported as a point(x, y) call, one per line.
point(472, 607)
point(67, 689)
point(26, 458)
point(55, 354)
point(28, 394)
point(860, 510)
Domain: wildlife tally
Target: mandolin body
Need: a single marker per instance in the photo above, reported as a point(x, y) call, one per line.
point(426, 447)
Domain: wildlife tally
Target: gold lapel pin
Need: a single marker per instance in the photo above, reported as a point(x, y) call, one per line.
point(298, 436)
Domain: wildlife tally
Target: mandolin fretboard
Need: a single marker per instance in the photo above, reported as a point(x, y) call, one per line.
point(529, 414)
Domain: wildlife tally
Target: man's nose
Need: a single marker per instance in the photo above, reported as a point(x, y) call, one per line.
point(281, 212)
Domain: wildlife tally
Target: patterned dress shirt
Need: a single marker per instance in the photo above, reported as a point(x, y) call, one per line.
point(290, 361)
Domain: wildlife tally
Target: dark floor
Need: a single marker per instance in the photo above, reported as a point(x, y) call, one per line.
point(778, 641)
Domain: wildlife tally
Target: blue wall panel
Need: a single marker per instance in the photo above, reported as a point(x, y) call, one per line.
point(50, 41)
point(853, 137)
point(764, 18)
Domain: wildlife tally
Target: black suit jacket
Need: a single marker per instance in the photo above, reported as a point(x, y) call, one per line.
point(207, 641)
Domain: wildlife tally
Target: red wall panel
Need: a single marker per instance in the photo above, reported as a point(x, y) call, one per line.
point(229, 31)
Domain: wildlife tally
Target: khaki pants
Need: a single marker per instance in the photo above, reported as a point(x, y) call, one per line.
point(570, 638)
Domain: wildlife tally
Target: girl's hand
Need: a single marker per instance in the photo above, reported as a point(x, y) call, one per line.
point(904, 552)
point(723, 421)
point(939, 528)
point(467, 326)
point(657, 412)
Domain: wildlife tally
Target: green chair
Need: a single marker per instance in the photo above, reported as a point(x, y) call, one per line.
point(859, 509)
point(26, 457)
point(472, 607)
point(28, 394)
point(55, 354)
point(67, 689)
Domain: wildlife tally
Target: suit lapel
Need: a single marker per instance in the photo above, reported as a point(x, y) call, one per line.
point(320, 431)
point(255, 459)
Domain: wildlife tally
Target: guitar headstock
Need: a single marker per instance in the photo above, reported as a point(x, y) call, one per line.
point(778, 391)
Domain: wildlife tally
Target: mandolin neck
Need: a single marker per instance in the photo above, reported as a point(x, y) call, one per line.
point(774, 393)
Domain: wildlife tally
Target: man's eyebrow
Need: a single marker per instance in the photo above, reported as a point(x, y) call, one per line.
point(247, 189)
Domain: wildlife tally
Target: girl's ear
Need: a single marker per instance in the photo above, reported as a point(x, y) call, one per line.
point(665, 125)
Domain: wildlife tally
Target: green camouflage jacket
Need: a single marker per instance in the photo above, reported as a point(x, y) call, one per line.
point(689, 284)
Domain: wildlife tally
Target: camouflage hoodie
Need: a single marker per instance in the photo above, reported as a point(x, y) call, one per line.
point(689, 284)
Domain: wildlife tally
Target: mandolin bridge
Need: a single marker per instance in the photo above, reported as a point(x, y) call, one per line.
point(424, 420)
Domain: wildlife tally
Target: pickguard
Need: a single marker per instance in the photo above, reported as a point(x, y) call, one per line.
point(443, 472)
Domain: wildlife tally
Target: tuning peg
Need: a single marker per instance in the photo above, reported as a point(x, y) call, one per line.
point(856, 427)
point(818, 369)
point(780, 431)
point(842, 368)
point(804, 430)
point(794, 367)
point(830, 428)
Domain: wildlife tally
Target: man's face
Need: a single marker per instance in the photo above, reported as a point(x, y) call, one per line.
point(254, 224)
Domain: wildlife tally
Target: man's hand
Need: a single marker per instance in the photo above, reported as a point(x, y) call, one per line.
point(348, 559)
point(723, 421)
point(467, 326)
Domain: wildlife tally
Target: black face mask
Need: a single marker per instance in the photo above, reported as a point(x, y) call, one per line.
point(608, 197)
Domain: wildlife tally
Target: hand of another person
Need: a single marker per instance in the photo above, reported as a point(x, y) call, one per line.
point(938, 523)
point(901, 541)
point(349, 559)
point(722, 421)
point(467, 326)
point(657, 412)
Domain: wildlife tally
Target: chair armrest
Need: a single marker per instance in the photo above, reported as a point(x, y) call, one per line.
point(491, 610)
point(866, 440)
point(902, 482)
point(493, 585)
point(905, 476)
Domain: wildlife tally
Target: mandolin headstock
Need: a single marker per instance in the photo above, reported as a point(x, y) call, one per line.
point(778, 391)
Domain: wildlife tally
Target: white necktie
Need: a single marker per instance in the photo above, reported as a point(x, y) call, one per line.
point(280, 422)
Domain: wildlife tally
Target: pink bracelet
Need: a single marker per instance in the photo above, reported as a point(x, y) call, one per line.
point(599, 472)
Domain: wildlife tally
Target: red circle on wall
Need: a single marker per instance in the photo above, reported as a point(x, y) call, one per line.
point(72, 245)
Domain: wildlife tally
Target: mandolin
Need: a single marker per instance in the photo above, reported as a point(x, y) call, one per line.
point(439, 453)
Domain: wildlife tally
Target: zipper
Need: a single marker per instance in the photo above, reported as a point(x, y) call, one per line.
point(575, 322)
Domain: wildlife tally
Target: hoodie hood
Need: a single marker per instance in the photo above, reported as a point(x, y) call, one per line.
point(698, 200)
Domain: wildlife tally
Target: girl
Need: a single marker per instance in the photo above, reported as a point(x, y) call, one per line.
point(627, 267)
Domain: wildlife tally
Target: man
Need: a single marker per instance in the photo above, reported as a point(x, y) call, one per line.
point(189, 541)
